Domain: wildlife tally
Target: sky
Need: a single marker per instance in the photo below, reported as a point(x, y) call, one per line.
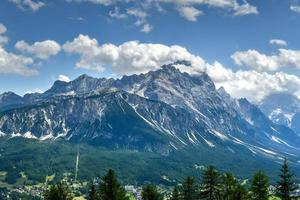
point(250, 47)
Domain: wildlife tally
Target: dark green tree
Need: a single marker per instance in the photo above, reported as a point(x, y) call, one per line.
point(93, 193)
point(285, 186)
point(259, 186)
point(240, 193)
point(211, 184)
point(229, 186)
point(111, 189)
point(57, 192)
point(189, 189)
point(150, 193)
point(231, 189)
point(175, 194)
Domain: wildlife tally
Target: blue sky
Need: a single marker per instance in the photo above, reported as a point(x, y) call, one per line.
point(236, 33)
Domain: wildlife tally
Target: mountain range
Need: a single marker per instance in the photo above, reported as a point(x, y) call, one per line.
point(162, 111)
point(282, 108)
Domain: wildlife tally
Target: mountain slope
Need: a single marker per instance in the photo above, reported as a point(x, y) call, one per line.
point(162, 111)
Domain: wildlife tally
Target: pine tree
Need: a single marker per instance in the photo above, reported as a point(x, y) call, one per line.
point(93, 194)
point(231, 189)
point(150, 193)
point(240, 193)
point(259, 186)
point(189, 191)
point(110, 188)
point(175, 194)
point(57, 192)
point(211, 184)
point(285, 186)
point(229, 185)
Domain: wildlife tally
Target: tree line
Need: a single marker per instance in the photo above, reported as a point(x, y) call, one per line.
point(213, 186)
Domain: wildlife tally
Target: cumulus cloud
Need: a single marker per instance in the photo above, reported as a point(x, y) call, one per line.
point(255, 60)
point(63, 78)
point(295, 8)
point(262, 62)
point(278, 42)
point(134, 57)
point(128, 58)
point(15, 64)
point(28, 4)
point(251, 84)
point(190, 13)
point(11, 63)
point(42, 50)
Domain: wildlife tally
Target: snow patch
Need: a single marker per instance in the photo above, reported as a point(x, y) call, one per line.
point(190, 139)
point(46, 137)
point(219, 135)
point(171, 143)
point(29, 135)
point(16, 135)
point(2, 134)
point(267, 151)
point(209, 143)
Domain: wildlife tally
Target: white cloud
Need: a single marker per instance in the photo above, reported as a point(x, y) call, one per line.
point(252, 85)
point(15, 64)
point(295, 8)
point(189, 9)
point(262, 62)
point(245, 9)
point(278, 42)
point(133, 57)
point(28, 4)
point(3, 39)
point(81, 19)
point(99, 2)
point(128, 58)
point(42, 50)
point(255, 60)
point(141, 19)
point(136, 12)
point(146, 28)
point(36, 90)
point(2, 29)
point(190, 13)
point(238, 9)
point(117, 14)
point(64, 78)
point(11, 63)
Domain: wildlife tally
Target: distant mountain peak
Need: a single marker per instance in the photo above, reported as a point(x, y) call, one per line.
point(282, 108)
point(223, 92)
point(83, 77)
point(169, 67)
point(9, 93)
